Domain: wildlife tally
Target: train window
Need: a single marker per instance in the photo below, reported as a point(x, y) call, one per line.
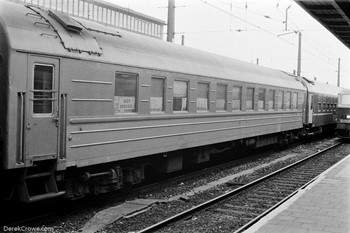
point(319, 107)
point(288, 100)
point(221, 97)
point(334, 102)
point(280, 99)
point(344, 99)
point(261, 102)
point(236, 98)
point(43, 89)
point(295, 100)
point(157, 94)
point(203, 97)
point(180, 96)
point(301, 98)
point(250, 99)
point(125, 95)
point(271, 99)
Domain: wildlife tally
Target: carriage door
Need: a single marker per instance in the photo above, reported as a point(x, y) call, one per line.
point(41, 127)
point(310, 108)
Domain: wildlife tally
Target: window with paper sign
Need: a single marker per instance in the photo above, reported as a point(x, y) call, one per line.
point(125, 96)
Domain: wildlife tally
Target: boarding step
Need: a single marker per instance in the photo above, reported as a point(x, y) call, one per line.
point(38, 184)
point(41, 197)
point(33, 176)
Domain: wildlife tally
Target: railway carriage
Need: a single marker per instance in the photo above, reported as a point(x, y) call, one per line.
point(321, 107)
point(84, 107)
point(343, 114)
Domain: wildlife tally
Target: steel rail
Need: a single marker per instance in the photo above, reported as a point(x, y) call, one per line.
point(209, 203)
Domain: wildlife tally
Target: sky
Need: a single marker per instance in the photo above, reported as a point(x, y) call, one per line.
point(255, 31)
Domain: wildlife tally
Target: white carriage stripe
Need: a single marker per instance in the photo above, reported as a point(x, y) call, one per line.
point(91, 81)
point(180, 134)
point(176, 125)
point(93, 100)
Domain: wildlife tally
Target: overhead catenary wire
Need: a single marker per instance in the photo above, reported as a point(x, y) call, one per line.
point(317, 53)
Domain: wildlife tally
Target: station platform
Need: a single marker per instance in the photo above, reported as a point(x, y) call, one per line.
point(322, 207)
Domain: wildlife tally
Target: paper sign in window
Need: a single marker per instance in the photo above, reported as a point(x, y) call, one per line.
point(124, 104)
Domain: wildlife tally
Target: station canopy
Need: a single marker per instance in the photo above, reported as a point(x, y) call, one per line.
point(332, 14)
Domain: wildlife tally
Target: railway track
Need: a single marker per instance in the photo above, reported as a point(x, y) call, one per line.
point(237, 210)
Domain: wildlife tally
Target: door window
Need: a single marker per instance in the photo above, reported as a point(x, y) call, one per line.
point(43, 89)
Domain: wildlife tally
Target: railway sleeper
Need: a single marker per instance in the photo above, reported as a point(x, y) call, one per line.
point(244, 207)
point(266, 197)
point(285, 183)
point(239, 212)
point(271, 193)
point(294, 179)
point(261, 200)
point(266, 193)
point(221, 217)
point(293, 183)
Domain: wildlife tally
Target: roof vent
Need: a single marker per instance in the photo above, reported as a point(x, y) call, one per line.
point(309, 81)
point(66, 22)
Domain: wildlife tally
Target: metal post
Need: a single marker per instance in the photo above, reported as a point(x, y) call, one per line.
point(171, 20)
point(299, 56)
point(286, 22)
point(299, 50)
point(183, 40)
point(338, 84)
